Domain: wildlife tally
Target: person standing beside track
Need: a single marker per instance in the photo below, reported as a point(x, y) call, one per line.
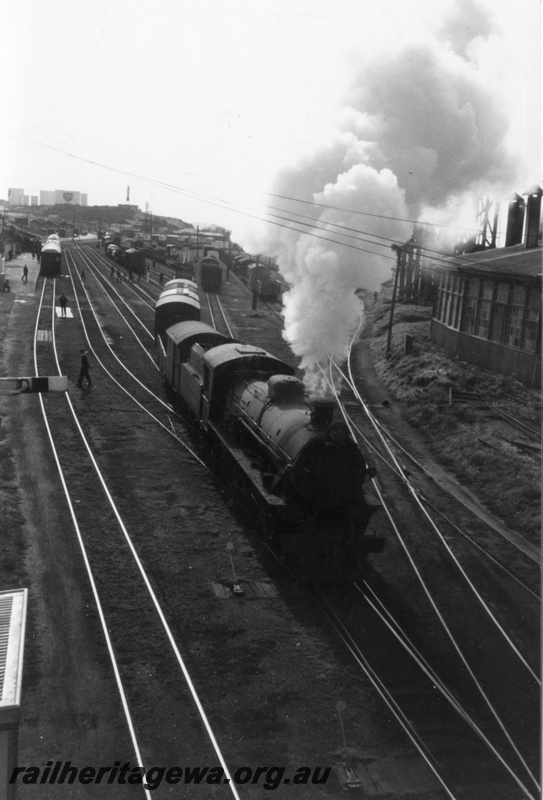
point(84, 371)
point(25, 274)
point(63, 301)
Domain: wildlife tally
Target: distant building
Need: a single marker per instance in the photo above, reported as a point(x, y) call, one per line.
point(16, 197)
point(487, 308)
point(47, 198)
point(61, 197)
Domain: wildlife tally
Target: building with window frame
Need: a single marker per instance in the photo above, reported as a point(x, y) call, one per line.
point(487, 310)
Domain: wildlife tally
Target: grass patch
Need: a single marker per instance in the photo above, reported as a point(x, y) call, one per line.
point(464, 438)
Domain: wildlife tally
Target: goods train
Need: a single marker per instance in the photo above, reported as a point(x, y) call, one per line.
point(134, 261)
point(261, 281)
point(51, 257)
point(260, 278)
point(170, 257)
point(286, 456)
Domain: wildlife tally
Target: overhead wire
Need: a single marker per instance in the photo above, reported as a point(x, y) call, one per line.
point(310, 227)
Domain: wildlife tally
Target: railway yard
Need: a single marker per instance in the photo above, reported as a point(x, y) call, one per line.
point(420, 678)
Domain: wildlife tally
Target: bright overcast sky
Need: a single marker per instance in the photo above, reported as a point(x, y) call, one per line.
point(214, 97)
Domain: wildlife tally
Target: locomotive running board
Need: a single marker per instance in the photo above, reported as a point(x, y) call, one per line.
point(253, 474)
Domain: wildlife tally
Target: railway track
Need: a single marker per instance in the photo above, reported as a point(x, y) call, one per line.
point(506, 781)
point(104, 540)
point(218, 316)
point(517, 745)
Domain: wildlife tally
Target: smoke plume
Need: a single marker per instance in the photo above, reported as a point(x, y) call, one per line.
point(420, 131)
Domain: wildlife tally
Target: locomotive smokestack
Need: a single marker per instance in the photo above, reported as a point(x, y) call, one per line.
point(322, 411)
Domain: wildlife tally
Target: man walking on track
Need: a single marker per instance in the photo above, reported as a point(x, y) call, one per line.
point(63, 302)
point(84, 371)
point(25, 274)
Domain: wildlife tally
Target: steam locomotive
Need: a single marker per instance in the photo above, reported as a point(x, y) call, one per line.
point(298, 467)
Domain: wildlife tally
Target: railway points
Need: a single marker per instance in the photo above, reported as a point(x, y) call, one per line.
point(184, 536)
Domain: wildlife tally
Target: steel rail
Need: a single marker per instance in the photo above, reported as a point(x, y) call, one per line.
point(107, 263)
point(101, 615)
point(221, 309)
point(124, 390)
point(379, 608)
point(524, 550)
point(347, 639)
point(94, 268)
point(417, 497)
point(433, 603)
point(152, 594)
point(338, 628)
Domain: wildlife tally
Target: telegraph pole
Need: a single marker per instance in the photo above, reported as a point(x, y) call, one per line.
point(3, 253)
point(398, 250)
point(229, 255)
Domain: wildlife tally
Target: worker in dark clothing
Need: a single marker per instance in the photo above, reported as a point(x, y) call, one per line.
point(25, 274)
point(63, 302)
point(84, 371)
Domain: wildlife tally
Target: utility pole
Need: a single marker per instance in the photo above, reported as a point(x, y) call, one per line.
point(229, 255)
point(398, 250)
point(3, 252)
point(3, 226)
point(197, 241)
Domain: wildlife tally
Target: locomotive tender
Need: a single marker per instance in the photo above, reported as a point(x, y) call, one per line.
point(301, 470)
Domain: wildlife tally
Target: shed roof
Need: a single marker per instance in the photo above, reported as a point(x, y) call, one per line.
point(12, 632)
point(515, 262)
point(176, 297)
point(238, 351)
point(193, 330)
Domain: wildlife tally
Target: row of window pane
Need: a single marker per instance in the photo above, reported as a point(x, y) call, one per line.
point(499, 311)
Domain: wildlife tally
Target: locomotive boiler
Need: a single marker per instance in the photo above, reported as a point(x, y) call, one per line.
point(287, 456)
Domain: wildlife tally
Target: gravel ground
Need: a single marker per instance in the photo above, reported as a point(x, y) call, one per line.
point(269, 673)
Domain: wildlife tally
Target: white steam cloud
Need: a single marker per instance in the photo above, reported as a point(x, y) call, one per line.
point(420, 131)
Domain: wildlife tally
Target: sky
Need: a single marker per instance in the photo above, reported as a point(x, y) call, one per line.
point(225, 111)
point(211, 97)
